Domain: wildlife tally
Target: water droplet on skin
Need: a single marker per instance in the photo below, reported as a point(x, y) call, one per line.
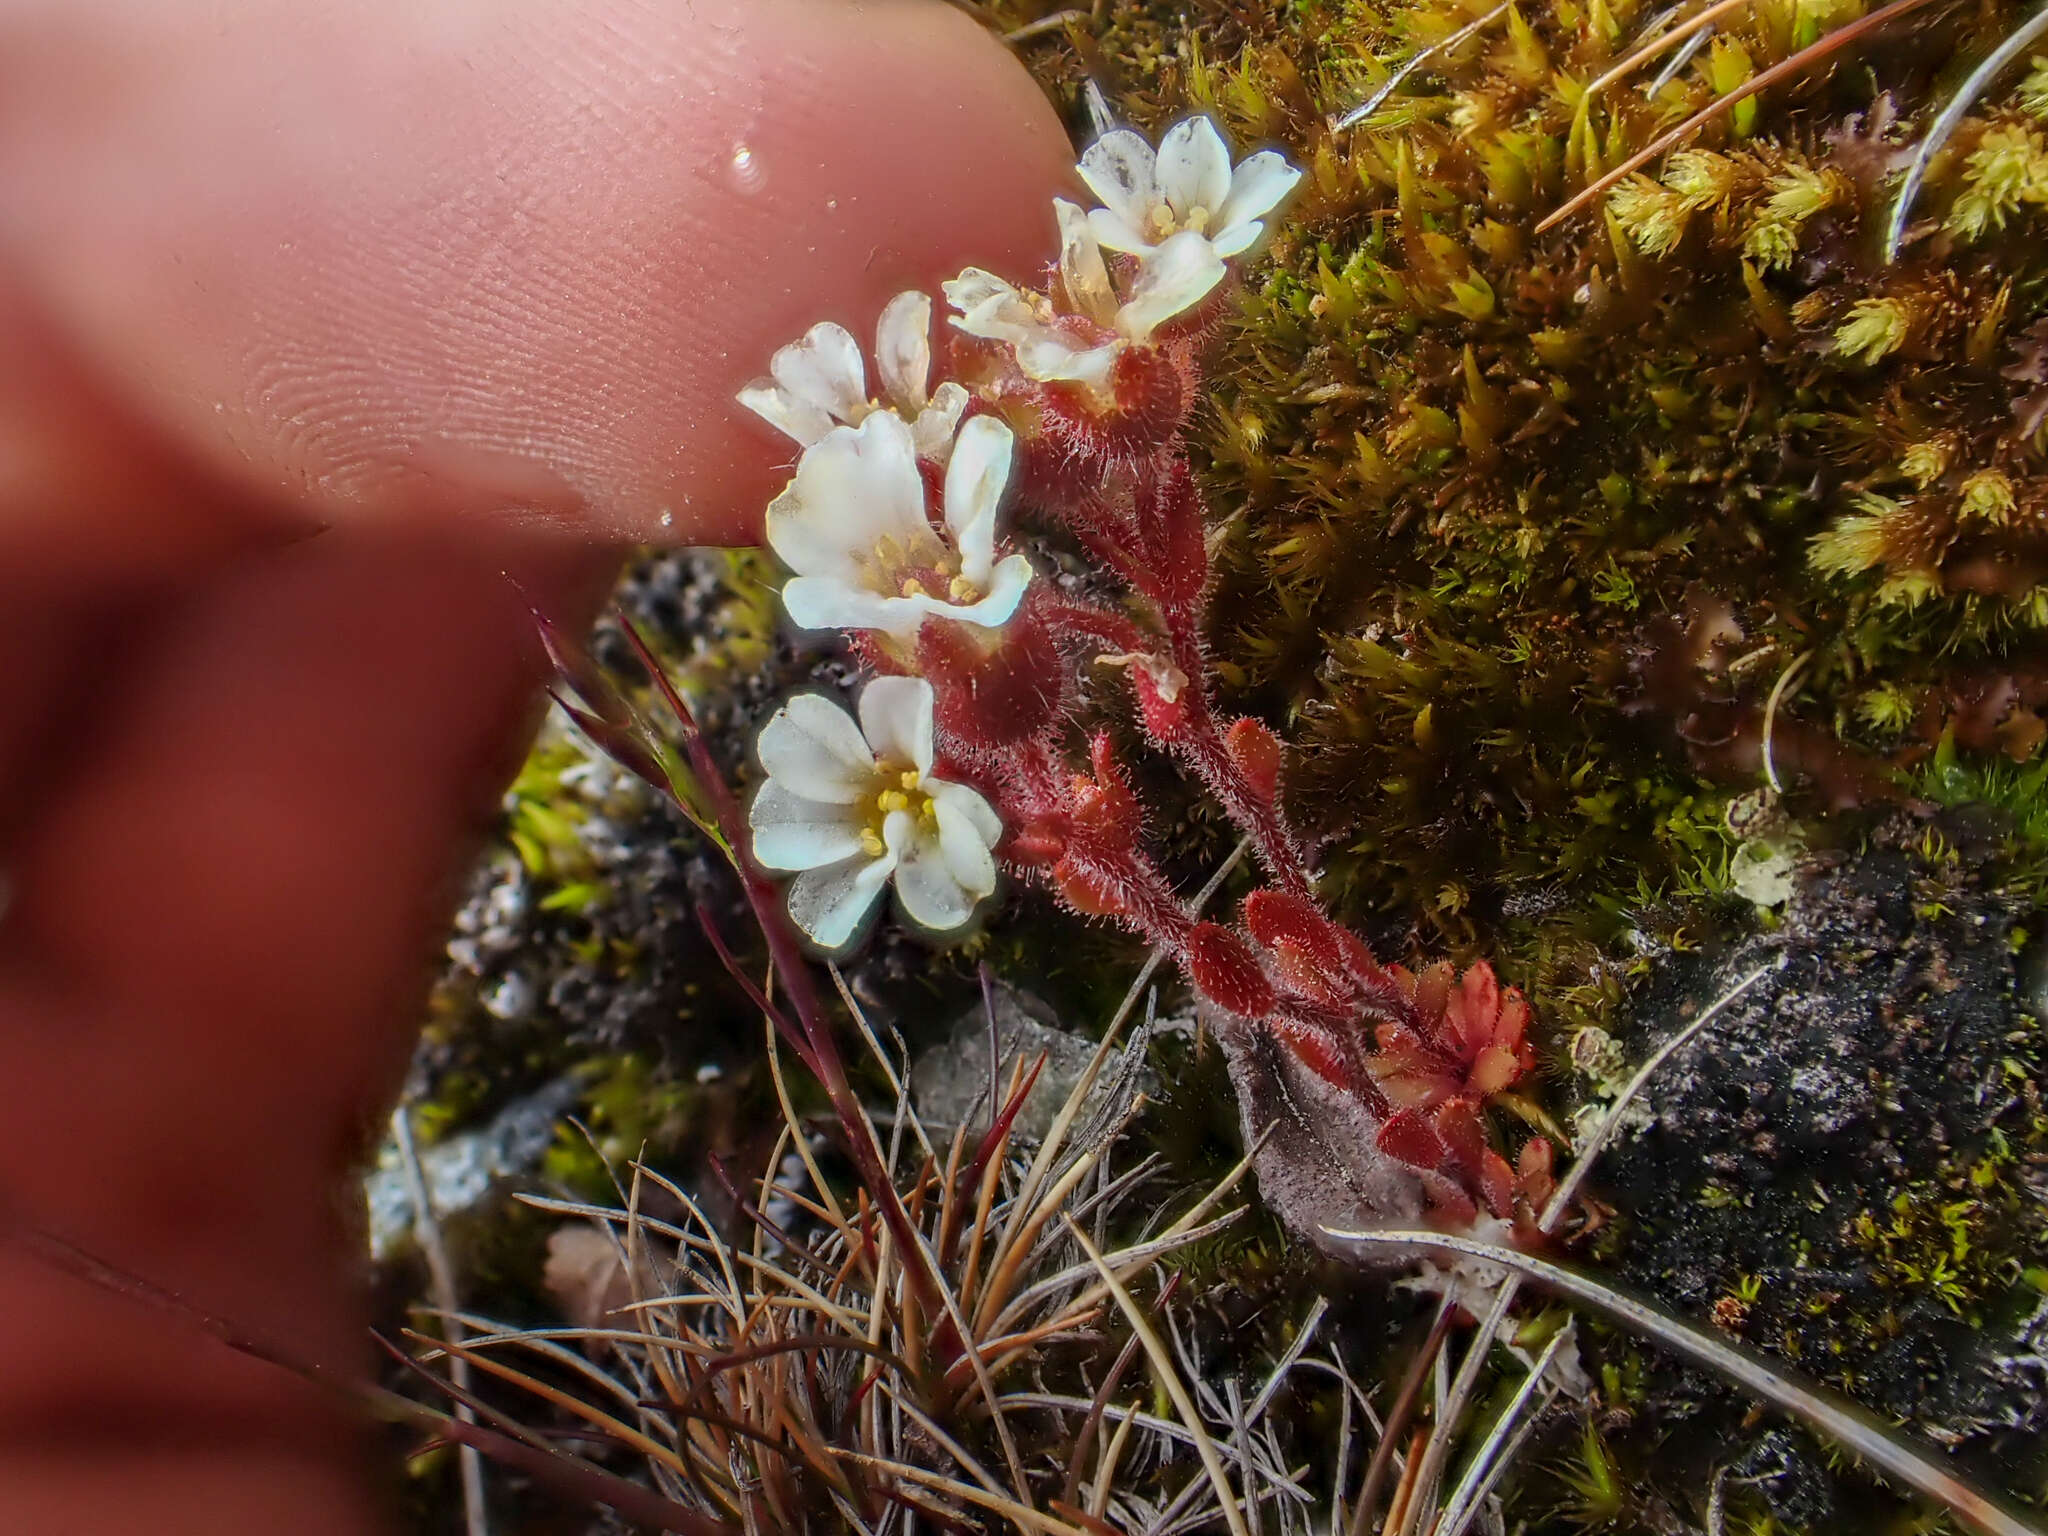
point(746, 171)
point(667, 518)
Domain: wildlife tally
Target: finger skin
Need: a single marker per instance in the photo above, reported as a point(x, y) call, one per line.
point(480, 254)
point(430, 275)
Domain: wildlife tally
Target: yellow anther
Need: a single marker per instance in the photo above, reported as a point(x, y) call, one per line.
point(1162, 219)
point(892, 800)
point(1198, 219)
point(871, 843)
point(912, 587)
point(910, 779)
point(961, 590)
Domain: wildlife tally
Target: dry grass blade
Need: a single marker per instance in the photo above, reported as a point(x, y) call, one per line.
point(2023, 37)
point(1487, 1461)
point(1023, 1515)
point(596, 1417)
point(1169, 1378)
point(1849, 1426)
point(1784, 69)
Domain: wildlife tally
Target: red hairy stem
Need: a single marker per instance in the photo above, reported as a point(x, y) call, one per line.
point(1201, 742)
point(791, 965)
point(1072, 616)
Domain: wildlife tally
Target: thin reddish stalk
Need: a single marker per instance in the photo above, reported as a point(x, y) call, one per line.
point(1256, 815)
point(787, 955)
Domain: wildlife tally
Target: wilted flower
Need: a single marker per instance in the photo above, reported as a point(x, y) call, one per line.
point(820, 382)
point(852, 526)
point(1187, 188)
point(849, 807)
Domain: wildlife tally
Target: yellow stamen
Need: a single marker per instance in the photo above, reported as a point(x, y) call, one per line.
point(871, 843)
point(892, 800)
point(1198, 219)
point(1162, 219)
point(910, 779)
point(961, 590)
point(912, 587)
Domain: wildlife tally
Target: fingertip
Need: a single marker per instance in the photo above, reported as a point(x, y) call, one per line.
point(522, 260)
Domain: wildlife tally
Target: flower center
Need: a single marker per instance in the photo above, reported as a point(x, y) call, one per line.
point(895, 791)
point(1164, 223)
point(891, 570)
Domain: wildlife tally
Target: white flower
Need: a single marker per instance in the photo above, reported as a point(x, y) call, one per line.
point(819, 382)
point(1049, 347)
point(848, 807)
point(1187, 188)
point(852, 526)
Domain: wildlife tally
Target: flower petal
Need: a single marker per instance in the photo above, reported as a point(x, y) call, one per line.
point(785, 412)
point(1238, 238)
point(896, 718)
point(1173, 279)
point(792, 831)
point(968, 830)
point(829, 903)
point(824, 369)
point(1194, 167)
point(1258, 186)
point(935, 424)
point(824, 602)
point(1051, 358)
point(813, 748)
point(1082, 269)
point(1114, 232)
point(903, 351)
point(1118, 168)
point(931, 897)
point(853, 488)
point(975, 287)
point(976, 477)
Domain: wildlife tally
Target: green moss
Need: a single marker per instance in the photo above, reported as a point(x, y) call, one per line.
point(1469, 465)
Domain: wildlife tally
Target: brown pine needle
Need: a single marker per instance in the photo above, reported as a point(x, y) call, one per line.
point(1784, 69)
point(1663, 41)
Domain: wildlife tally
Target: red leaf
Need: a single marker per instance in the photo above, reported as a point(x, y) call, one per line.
point(1494, 1070)
point(1409, 1138)
point(1088, 890)
point(1227, 969)
point(1256, 751)
point(1472, 1009)
point(1315, 1049)
point(1431, 991)
point(1306, 946)
point(1162, 703)
point(1105, 805)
